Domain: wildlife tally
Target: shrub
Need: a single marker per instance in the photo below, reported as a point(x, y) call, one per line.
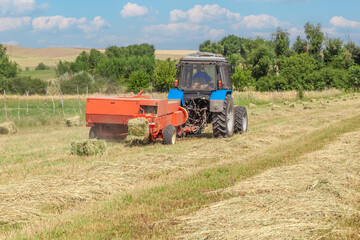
point(81, 80)
point(242, 78)
point(353, 76)
point(42, 66)
point(19, 85)
point(164, 75)
point(138, 80)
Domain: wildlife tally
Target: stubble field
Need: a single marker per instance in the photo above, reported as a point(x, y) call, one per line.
point(294, 174)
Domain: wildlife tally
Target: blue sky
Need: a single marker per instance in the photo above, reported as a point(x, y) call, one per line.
point(167, 24)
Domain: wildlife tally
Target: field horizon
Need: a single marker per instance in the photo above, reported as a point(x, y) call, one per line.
point(31, 57)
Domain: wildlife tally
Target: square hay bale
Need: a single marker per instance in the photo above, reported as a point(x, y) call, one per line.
point(138, 129)
point(251, 105)
point(286, 103)
point(270, 104)
point(292, 105)
point(88, 147)
point(299, 101)
point(8, 128)
point(73, 121)
point(275, 107)
point(313, 100)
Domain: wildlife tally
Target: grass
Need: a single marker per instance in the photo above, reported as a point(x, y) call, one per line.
point(45, 75)
point(150, 214)
point(139, 191)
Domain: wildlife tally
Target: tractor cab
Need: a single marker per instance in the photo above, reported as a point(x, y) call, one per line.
point(203, 72)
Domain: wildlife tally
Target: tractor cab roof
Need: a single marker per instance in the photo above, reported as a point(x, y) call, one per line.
point(204, 57)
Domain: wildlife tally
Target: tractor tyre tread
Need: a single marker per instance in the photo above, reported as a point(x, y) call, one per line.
point(219, 124)
point(240, 116)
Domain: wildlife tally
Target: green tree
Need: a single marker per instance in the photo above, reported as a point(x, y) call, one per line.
point(164, 75)
point(297, 70)
point(282, 42)
point(138, 80)
point(7, 69)
point(242, 78)
point(353, 77)
point(300, 45)
point(315, 37)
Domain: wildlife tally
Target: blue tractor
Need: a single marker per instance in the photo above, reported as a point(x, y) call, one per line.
point(203, 87)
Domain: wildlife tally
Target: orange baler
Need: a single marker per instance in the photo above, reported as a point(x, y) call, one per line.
point(109, 116)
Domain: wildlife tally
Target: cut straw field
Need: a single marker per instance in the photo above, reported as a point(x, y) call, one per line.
point(293, 161)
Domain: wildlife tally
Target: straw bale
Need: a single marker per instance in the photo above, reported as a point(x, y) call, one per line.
point(313, 100)
point(251, 105)
point(344, 99)
point(299, 101)
point(138, 130)
point(88, 147)
point(8, 128)
point(73, 121)
point(286, 103)
point(292, 105)
point(275, 107)
point(270, 104)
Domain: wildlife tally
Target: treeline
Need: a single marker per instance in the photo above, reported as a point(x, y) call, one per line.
point(133, 67)
point(11, 82)
point(314, 63)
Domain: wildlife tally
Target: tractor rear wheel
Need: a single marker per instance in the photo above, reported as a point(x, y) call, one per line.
point(223, 122)
point(169, 135)
point(93, 133)
point(241, 119)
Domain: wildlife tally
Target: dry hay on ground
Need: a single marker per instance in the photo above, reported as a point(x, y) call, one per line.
point(314, 199)
point(275, 107)
point(88, 147)
point(251, 105)
point(7, 128)
point(73, 121)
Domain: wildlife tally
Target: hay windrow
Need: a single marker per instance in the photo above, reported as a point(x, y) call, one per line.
point(7, 128)
point(73, 121)
point(88, 147)
point(138, 130)
point(313, 199)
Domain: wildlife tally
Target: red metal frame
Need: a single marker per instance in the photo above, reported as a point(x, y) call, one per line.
point(115, 111)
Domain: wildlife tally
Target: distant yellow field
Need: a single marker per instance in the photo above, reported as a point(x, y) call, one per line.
point(31, 57)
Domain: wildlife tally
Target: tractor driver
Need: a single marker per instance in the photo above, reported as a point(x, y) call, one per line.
point(201, 74)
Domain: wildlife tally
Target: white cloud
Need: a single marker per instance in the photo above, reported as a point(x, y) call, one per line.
point(344, 23)
point(133, 10)
point(19, 7)
point(56, 22)
point(207, 13)
point(94, 25)
point(13, 23)
point(10, 43)
point(294, 32)
point(184, 29)
point(173, 28)
point(261, 21)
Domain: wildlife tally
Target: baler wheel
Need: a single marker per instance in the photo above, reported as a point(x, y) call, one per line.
point(93, 133)
point(169, 135)
point(241, 120)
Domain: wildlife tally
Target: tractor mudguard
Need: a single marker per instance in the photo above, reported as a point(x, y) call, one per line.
point(217, 99)
point(176, 94)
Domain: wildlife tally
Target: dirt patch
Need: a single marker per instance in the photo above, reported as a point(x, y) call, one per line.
point(310, 200)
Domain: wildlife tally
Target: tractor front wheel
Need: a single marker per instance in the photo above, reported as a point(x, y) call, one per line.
point(223, 122)
point(169, 135)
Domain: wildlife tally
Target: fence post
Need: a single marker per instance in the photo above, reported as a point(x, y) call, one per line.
point(52, 99)
point(77, 89)
point(45, 102)
point(6, 118)
point(19, 108)
point(87, 91)
point(27, 103)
